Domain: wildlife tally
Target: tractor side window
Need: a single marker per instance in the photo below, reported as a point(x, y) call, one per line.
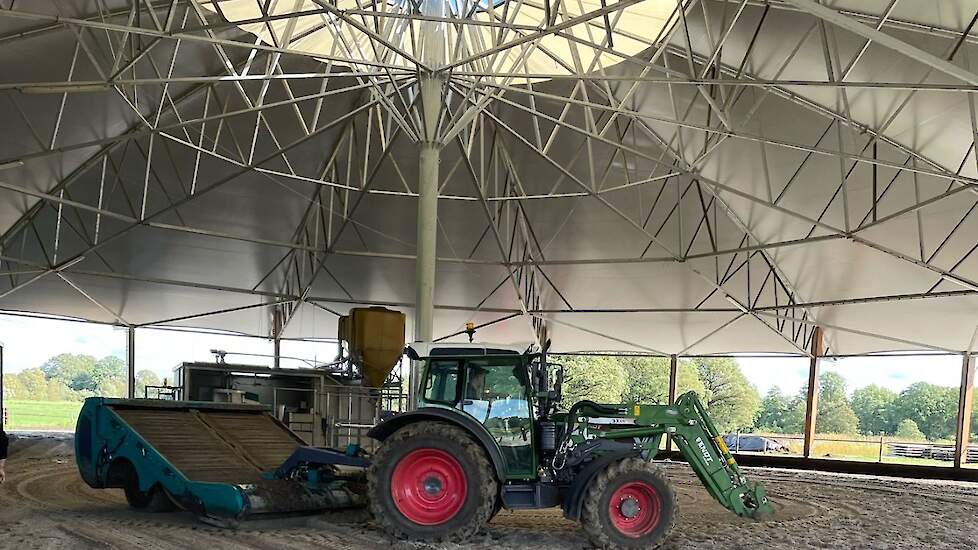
point(441, 385)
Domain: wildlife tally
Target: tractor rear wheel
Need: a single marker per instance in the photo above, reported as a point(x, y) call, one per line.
point(431, 481)
point(629, 505)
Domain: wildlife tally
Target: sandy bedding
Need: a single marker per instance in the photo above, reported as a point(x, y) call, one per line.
point(45, 505)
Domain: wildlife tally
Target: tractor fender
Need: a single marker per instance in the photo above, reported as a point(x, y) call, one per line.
point(387, 427)
point(575, 493)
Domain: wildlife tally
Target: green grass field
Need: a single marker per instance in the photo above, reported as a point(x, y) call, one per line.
point(42, 415)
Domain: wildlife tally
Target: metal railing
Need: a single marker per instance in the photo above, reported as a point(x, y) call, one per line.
point(350, 411)
point(878, 449)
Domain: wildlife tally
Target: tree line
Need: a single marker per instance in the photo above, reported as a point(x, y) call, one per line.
point(921, 411)
point(74, 377)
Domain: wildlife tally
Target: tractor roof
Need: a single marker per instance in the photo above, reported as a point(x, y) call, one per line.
point(423, 350)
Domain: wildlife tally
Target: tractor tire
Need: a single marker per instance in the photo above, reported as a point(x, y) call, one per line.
point(629, 505)
point(431, 481)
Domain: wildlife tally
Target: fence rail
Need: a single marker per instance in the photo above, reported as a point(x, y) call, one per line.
point(877, 449)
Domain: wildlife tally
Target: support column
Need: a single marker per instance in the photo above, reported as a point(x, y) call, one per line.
point(427, 243)
point(965, 406)
point(811, 403)
point(277, 337)
point(432, 37)
point(673, 385)
point(131, 362)
point(427, 239)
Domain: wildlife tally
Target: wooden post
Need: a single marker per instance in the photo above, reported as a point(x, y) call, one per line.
point(673, 381)
point(965, 403)
point(811, 404)
point(3, 411)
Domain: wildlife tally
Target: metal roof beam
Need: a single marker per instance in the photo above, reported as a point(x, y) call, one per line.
point(848, 23)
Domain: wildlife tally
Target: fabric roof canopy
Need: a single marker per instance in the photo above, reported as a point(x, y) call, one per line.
point(725, 176)
point(475, 35)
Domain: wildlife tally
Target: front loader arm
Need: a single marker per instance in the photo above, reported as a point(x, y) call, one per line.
point(708, 456)
point(642, 427)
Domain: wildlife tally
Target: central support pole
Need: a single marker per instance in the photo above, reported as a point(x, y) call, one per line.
point(424, 314)
point(430, 85)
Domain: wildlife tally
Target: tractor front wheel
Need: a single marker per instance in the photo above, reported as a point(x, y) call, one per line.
point(431, 481)
point(629, 505)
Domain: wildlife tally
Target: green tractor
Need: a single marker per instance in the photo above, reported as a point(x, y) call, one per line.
point(487, 434)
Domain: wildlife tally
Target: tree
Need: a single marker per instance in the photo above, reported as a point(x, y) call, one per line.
point(31, 385)
point(907, 430)
point(647, 379)
point(835, 415)
point(109, 368)
point(873, 406)
point(934, 409)
point(70, 377)
point(732, 401)
point(598, 378)
point(974, 418)
point(111, 387)
point(794, 419)
point(774, 413)
point(145, 378)
point(74, 371)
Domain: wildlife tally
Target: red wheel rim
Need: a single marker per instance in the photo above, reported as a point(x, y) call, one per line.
point(428, 486)
point(635, 509)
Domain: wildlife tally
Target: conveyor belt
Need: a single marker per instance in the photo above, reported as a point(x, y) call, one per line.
point(262, 440)
point(214, 446)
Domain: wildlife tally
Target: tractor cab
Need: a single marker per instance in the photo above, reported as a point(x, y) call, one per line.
point(493, 385)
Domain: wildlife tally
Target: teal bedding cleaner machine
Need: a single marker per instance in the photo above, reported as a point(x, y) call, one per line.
point(220, 461)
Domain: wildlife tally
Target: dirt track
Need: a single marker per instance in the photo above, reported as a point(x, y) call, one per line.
point(45, 505)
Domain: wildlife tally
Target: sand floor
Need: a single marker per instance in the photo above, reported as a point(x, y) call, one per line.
point(45, 505)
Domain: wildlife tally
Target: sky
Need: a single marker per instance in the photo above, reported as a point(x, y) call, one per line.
point(29, 342)
point(892, 372)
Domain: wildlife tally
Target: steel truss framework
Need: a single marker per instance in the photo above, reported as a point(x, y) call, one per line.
point(706, 182)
